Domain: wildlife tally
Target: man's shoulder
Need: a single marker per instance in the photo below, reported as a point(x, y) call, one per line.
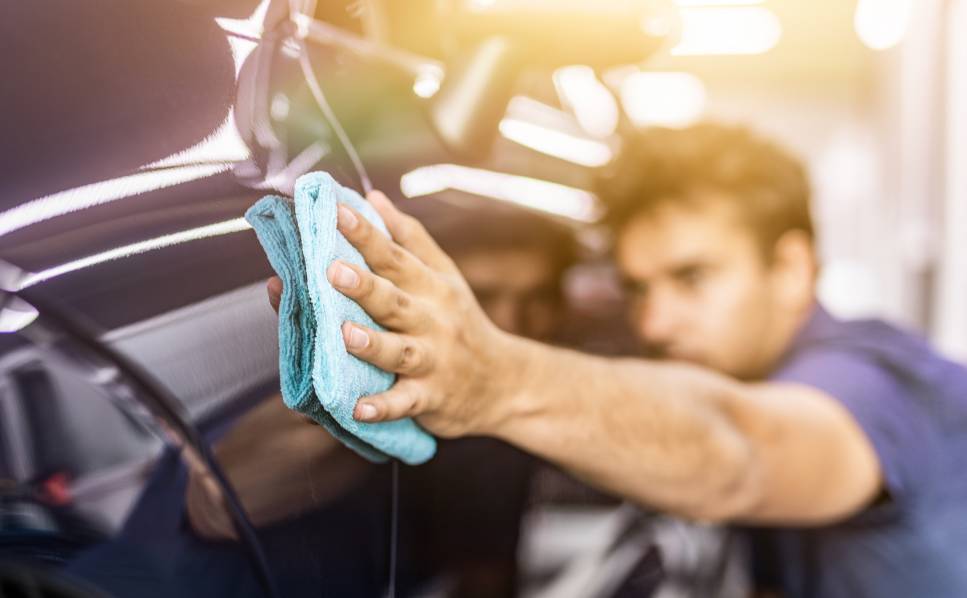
point(903, 394)
point(827, 346)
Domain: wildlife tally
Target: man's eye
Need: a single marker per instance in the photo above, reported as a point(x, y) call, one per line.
point(690, 277)
point(635, 287)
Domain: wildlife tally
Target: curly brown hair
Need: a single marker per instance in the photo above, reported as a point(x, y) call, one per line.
point(768, 186)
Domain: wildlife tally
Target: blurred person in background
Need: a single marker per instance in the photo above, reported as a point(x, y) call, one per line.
point(473, 494)
point(839, 440)
point(461, 512)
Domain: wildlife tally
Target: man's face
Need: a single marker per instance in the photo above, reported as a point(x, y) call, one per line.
point(517, 288)
point(701, 291)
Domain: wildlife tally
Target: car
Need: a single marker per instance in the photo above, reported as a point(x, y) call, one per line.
point(136, 327)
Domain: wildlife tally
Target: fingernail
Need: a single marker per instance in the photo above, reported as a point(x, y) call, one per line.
point(343, 276)
point(365, 412)
point(356, 338)
point(346, 219)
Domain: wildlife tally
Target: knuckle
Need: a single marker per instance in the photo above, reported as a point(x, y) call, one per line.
point(367, 285)
point(361, 232)
point(388, 261)
point(409, 357)
point(374, 347)
point(366, 234)
point(396, 257)
point(402, 303)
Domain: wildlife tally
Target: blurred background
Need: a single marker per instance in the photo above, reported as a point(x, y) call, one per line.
point(142, 447)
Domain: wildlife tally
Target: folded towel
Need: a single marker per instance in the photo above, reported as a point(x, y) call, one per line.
point(274, 221)
point(319, 378)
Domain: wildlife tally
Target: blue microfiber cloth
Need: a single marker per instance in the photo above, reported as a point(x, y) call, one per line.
point(319, 378)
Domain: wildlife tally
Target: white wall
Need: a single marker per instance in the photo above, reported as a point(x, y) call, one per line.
point(836, 134)
point(950, 322)
point(888, 159)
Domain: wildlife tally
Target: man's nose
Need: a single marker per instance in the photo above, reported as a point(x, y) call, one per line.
point(659, 320)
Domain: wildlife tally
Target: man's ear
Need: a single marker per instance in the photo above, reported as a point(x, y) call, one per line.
point(794, 268)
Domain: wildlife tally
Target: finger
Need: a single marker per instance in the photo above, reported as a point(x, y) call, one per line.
point(386, 350)
point(381, 299)
point(382, 254)
point(410, 233)
point(274, 289)
point(403, 400)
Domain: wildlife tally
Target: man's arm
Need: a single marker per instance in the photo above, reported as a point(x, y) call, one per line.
point(673, 436)
point(692, 442)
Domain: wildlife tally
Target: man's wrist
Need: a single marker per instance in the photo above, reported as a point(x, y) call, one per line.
point(516, 374)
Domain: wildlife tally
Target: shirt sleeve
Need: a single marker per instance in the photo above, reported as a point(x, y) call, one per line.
point(889, 413)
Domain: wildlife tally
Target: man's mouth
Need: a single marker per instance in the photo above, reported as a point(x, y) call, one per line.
point(672, 353)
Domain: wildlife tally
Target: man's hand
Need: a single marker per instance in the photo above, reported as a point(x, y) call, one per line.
point(455, 367)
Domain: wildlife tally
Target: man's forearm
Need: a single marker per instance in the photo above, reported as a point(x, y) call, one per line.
point(656, 433)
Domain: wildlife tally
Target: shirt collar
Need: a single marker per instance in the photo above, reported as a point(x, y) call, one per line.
point(818, 326)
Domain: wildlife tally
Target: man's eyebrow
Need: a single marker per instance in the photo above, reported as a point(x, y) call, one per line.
point(674, 269)
point(631, 284)
point(688, 267)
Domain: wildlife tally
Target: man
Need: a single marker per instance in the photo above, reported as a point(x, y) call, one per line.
point(842, 439)
point(513, 260)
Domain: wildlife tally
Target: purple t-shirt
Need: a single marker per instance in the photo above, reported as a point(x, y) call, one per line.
point(912, 405)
